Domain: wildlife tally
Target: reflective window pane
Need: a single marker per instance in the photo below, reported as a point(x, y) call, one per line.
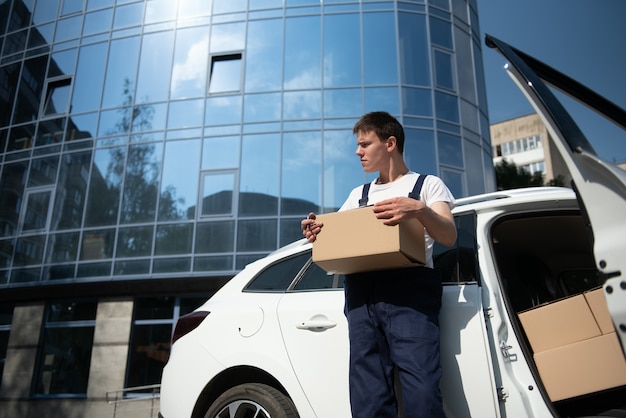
point(342, 170)
point(11, 194)
point(71, 191)
point(379, 60)
point(98, 22)
point(215, 237)
point(414, 56)
point(45, 11)
point(417, 102)
point(449, 148)
point(69, 28)
point(303, 47)
point(179, 184)
point(302, 105)
point(160, 11)
point(223, 110)
point(37, 210)
point(342, 50)
point(65, 360)
point(97, 244)
point(89, 78)
point(419, 151)
point(135, 242)
point(446, 107)
point(62, 247)
point(105, 187)
point(57, 97)
point(443, 70)
point(185, 114)
point(441, 32)
point(217, 194)
point(153, 82)
point(148, 352)
point(128, 15)
point(119, 87)
point(43, 171)
point(29, 91)
point(141, 183)
point(227, 37)
point(260, 166)
point(301, 189)
point(263, 55)
point(189, 73)
point(29, 251)
point(257, 235)
point(225, 73)
point(261, 107)
point(173, 239)
point(220, 152)
point(343, 103)
point(382, 98)
point(63, 63)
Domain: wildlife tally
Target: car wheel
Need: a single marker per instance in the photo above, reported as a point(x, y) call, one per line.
point(252, 400)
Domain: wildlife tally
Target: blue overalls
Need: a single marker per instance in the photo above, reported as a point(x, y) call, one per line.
point(393, 323)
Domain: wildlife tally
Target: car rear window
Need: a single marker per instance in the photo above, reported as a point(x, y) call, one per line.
point(278, 276)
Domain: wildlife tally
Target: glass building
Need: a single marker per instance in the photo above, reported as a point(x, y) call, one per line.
point(149, 149)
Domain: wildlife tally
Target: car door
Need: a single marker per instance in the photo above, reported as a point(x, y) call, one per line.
point(315, 334)
point(600, 186)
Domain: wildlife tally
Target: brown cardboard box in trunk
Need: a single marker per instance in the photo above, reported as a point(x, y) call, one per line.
point(583, 367)
point(355, 240)
point(559, 323)
point(575, 346)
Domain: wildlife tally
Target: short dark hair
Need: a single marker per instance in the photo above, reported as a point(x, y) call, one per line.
point(383, 125)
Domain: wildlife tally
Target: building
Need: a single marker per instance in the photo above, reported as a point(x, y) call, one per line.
point(149, 149)
point(525, 142)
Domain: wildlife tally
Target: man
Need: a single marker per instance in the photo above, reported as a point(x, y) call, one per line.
point(393, 314)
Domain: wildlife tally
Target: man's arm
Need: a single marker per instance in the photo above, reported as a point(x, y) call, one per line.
point(437, 218)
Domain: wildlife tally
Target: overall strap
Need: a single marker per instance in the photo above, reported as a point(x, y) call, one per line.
point(363, 200)
point(417, 189)
point(415, 194)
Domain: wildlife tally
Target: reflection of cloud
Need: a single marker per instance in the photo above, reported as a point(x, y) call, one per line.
point(304, 151)
point(304, 79)
point(226, 38)
point(193, 67)
point(344, 149)
point(302, 104)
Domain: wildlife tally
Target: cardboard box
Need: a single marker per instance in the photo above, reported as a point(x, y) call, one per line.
point(597, 302)
point(584, 367)
point(355, 240)
point(559, 323)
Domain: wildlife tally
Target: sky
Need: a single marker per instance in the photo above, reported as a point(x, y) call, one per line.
point(585, 39)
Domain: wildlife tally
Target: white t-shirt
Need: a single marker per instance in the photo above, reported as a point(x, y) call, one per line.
point(433, 190)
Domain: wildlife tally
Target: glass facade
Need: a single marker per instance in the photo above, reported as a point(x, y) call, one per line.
point(146, 139)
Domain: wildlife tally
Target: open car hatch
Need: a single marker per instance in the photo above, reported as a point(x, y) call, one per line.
point(599, 186)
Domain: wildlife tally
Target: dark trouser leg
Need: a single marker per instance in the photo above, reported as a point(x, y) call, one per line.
point(371, 370)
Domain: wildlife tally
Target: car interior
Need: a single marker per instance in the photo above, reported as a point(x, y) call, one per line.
point(542, 258)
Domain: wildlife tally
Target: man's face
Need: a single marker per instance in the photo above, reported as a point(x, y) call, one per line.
point(372, 151)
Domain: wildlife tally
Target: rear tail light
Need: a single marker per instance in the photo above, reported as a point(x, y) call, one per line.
point(188, 323)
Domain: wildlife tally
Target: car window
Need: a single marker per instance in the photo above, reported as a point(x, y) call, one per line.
point(459, 263)
point(315, 278)
point(277, 277)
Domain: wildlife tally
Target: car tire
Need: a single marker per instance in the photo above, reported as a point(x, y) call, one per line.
point(252, 400)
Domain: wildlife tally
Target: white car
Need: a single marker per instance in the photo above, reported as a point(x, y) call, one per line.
point(272, 342)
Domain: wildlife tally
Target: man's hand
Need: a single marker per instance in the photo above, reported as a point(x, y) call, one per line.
point(395, 210)
point(310, 228)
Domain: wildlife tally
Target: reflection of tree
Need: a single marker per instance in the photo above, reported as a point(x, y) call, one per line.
point(140, 167)
point(136, 118)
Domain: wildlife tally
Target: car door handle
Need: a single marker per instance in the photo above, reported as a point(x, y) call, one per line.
point(316, 325)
